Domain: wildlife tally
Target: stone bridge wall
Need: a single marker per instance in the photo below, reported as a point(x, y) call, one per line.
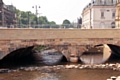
point(12, 39)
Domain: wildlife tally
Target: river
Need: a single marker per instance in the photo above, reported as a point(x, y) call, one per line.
point(61, 72)
point(66, 74)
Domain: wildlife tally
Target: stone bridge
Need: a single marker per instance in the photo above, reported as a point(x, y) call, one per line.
point(67, 41)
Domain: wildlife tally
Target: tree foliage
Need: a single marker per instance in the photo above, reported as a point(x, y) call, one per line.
point(25, 18)
point(29, 18)
point(52, 22)
point(66, 21)
point(43, 20)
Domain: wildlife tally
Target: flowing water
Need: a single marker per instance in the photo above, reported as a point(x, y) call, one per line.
point(71, 74)
point(63, 74)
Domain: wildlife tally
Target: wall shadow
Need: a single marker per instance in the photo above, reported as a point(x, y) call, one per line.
point(28, 56)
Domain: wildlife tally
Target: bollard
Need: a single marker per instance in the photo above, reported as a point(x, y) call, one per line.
point(113, 77)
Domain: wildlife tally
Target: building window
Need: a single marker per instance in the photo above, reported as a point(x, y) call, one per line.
point(114, 2)
point(102, 2)
point(102, 25)
point(102, 15)
point(113, 15)
point(113, 25)
point(108, 10)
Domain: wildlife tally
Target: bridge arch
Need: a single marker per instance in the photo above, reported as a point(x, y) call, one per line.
point(13, 39)
point(29, 55)
point(101, 53)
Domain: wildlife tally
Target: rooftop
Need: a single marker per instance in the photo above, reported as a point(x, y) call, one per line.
point(93, 3)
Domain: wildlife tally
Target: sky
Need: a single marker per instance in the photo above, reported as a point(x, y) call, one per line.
point(54, 10)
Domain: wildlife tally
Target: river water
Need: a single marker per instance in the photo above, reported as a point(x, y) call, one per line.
point(67, 74)
point(62, 74)
point(81, 75)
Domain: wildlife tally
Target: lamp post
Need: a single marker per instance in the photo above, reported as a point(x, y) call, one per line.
point(28, 20)
point(19, 20)
point(36, 12)
point(0, 18)
point(3, 19)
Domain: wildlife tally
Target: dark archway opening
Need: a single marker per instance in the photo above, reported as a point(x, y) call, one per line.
point(28, 56)
point(22, 56)
point(64, 59)
point(115, 54)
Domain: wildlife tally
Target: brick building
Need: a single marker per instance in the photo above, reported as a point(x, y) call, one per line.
point(7, 15)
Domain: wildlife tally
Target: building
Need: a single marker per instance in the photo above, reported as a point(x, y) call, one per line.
point(99, 14)
point(79, 22)
point(7, 15)
point(117, 20)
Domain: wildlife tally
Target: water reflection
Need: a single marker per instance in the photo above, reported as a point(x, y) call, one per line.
point(92, 58)
point(96, 55)
point(50, 57)
point(84, 75)
point(87, 74)
point(67, 74)
point(50, 76)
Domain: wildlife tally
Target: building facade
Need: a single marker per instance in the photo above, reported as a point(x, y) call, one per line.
point(99, 14)
point(117, 20)
point(7, 15)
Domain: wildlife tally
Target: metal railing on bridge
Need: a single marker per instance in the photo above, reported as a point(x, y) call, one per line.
point(62, 26)
point(99, 26)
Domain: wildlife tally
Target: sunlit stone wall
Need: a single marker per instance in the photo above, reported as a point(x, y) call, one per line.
point(12, 39)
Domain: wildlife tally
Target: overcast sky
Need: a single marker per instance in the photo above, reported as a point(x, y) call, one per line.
point(54, 10)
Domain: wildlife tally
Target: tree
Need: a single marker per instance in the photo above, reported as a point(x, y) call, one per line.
point(52, 22)
point(28, 17)
point(66, 22)
point(43, 20)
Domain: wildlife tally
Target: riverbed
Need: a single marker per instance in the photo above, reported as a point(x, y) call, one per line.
point(61, 72)
point(47, 69)
point(72, 74)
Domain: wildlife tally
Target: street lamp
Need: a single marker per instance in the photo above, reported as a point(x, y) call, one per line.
point(28, 19)
point(19, 20)
point(36, 12)
point(3, 18)
point(0, 18)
